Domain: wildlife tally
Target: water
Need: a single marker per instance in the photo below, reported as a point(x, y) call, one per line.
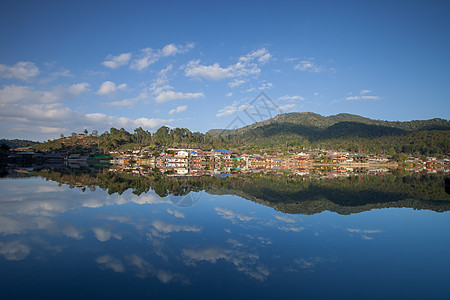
point(59, 241)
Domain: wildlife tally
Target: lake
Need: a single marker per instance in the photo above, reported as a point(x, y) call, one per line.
point(89, 234)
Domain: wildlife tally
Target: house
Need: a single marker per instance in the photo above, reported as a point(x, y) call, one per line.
point(224, 154)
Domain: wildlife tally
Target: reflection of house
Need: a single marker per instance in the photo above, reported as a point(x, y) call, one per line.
point(377, 159)
point(338, 157)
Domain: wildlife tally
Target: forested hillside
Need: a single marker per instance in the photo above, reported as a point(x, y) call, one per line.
point(345, 132)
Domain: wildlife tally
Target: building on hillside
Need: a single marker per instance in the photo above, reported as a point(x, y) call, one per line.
point(224, 154)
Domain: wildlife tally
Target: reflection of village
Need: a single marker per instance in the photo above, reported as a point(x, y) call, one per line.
point(222, 163)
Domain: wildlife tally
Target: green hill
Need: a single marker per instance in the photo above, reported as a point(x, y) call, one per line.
point(16, 143)
point(345, 132)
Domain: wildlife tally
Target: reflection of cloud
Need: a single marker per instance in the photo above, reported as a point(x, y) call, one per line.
point(168, 228)
point(72, 232)
point(144, 269)
point(244, 262)
point(364, 232)
point(14, 250)
point(104, 234)
point(101, 234)
point(209, 254)
point(20, 211)
point(176, 213)
point(47, 189)
point(291, 228)
point(285, 218)
point(235, 243)
point(260, 239)
point(109, 262)
point(232, 215)
point(143, 199)
point(164, 276)
point(308, 263)
point(20, 224)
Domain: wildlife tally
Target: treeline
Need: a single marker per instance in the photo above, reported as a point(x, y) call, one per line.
point(122, 139)
point(293, 131)
point(164, 136)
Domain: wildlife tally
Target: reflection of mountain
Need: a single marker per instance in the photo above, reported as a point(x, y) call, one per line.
point(295, 195)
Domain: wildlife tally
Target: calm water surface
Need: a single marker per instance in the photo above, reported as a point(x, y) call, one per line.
point(59, 242)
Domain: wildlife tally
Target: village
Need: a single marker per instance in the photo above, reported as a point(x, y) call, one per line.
point(222, 162)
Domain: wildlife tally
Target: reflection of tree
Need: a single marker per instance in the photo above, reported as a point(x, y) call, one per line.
point(292, 195)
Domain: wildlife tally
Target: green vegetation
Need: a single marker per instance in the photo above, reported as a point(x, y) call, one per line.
point(288, 194)
point(345, 132)
point(295, 131)
point(18, 143)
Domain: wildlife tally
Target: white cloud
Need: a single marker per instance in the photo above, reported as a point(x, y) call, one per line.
point(236, 83)
point(231, 109)
point(20, 115)
point(110, 121)
point(178, 109)
point(262, 55)
point(308, 65)
point(22, 70)
point(353, 98)
point(163, 92)
point(371, 97)
point(26, 94)
point(291, 98)
point(172, 49)
point(109, 87)
point(286, 107)
point(363, 96)
point(78, 88)
point(212, 72)
point(150, 56)
point(246, 65)
point(63, 73)
point(171, 95)
point(114, 62)
point(12, 93)
point(230, 94)
point(265, 86)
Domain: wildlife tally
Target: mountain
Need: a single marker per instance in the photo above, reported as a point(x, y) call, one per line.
point(18, 143)
point(346, 132)
point(308, 121)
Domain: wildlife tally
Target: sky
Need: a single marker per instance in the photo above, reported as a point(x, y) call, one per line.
point(67, 66)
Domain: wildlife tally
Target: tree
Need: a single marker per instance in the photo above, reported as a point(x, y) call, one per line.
point(74, 133)
point(86, 131)
point(62, 135)
point(94, 132)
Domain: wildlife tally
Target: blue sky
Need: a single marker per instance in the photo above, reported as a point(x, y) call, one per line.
point(66, 66)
